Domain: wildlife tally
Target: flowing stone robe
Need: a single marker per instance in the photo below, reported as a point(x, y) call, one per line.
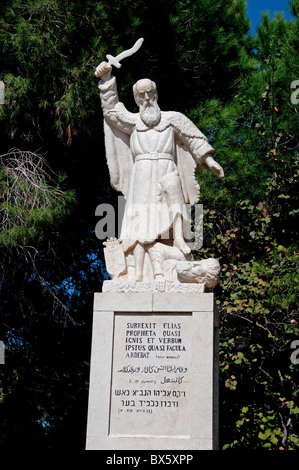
point(154, 167)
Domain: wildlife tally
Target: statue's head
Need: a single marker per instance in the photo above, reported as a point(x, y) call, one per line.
point(208, 271)
point(145, 90)
point(146, 98)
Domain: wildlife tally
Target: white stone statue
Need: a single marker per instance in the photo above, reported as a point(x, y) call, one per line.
point(152, 158)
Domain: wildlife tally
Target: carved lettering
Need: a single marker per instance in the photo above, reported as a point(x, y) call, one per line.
point(147, 381)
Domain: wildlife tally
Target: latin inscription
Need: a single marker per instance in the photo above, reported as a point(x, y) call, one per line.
point(151, 376)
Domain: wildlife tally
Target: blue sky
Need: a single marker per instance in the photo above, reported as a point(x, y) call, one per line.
point(254, 7)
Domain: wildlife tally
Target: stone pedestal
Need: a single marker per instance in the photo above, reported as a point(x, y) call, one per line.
point(154, 376)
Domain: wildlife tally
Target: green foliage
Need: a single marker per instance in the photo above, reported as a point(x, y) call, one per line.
point(251, 226)
point(51, 49)
point(259, 323)
point(212, 43)
point(30, 203)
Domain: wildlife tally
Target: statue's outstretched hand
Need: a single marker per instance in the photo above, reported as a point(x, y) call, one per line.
point(214, 167)
point(103, 71)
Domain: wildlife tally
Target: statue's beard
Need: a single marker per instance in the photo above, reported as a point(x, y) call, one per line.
point(150, 113)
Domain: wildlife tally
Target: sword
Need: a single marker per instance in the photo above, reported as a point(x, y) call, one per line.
point(116, 60)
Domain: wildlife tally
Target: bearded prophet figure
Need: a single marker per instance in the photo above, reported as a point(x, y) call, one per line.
point(152, 157)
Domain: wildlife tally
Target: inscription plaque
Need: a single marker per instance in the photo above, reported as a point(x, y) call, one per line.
point(153, 379)
point(151, 375)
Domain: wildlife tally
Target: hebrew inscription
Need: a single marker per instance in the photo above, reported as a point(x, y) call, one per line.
point(151, 375)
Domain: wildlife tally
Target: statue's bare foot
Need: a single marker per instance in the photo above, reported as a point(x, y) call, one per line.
point(182, 245)
point(159, 282)
point(160, 285)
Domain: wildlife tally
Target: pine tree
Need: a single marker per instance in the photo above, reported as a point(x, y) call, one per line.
point(251, 223)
